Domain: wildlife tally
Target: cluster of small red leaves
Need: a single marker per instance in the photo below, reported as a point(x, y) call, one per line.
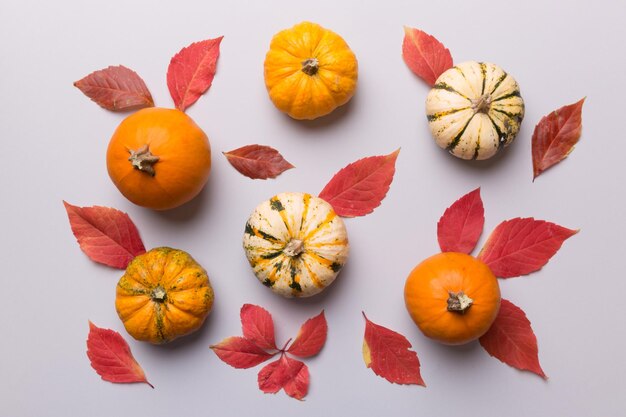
point(189, 75)
point(360, 187)
point(387, 353)
point(106, 235)
point(258, 344)
point(516, 247)
point(555, 136)
point(425, 55)
point(111, 357)
point(258, 161)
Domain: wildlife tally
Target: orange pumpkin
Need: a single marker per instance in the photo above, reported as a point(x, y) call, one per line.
point(164, 294)
point(159, 158)
point(452, 297)
point(309, 71)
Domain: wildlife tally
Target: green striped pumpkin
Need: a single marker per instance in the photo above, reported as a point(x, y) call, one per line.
point(296, 244)
point(474, 110)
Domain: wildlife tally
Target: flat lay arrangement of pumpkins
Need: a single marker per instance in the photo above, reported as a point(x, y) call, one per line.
point(297, 243)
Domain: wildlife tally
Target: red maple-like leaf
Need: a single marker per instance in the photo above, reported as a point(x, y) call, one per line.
point(425, 55)
point(290, 374)
point(240, 352)
point(311, 337)
point(116, 88)
point(555, 136)
point(258, 326)
point(462, 223)
point(511, 339)
point(360, 187)
point(106, 235)
point(522, 245)
point(258, 161)
point(387, 353)
point(111, 358)
point(191, 71)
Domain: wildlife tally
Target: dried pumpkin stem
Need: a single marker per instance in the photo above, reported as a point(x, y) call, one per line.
point(459, 302)
point(310, 66)
point(143, 160)
point(482, 104)
point(158, 294)
point(294, 248)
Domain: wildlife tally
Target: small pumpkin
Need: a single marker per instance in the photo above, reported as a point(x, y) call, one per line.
point(159, 158)
point(474, 110)
point(309, 71)
point(452, 297)
point(163, 294)
point(296, 244)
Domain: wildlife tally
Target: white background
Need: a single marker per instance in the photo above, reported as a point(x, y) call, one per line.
point(53, 147)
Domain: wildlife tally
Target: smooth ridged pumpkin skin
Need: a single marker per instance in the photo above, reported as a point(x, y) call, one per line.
point(474, 110)
point(163, 294)
point(309, 96)
point(184, 156)
point(296, 218)
point(428, 289)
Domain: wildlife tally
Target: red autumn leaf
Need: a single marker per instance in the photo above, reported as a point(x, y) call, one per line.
point(191, 71)
point(240, 352)
point(388, 354)
point(258, 326)
point(289, 374)
point(311, 337)
point(511, 339)
point(425, 55)
point(105, 234)
point(258, 161)
point(522, 245)
point(111, 358)
point(116, 88)
point(462, 223)
point(360, 187)
point(555, 136)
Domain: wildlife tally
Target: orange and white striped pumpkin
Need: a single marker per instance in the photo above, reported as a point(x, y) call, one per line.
point(296, 244)
point(474, 110)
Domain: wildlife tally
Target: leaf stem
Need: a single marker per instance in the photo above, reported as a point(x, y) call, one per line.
point(285, 346)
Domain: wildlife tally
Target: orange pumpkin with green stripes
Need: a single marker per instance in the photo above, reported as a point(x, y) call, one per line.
point(163, 294)
point(296, 244)
point(474, 110)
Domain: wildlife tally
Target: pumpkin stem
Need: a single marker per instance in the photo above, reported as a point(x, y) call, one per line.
point(143, 160)
point(459, 302)
point(310, 66)
point(294, 248)
point(482, 104)
point(158, 294)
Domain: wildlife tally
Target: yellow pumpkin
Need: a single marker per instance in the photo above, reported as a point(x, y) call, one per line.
point(296, 244)
point(163, 294)
point(309, 71)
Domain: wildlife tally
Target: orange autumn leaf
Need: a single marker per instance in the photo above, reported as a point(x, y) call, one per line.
point(555, 136)
point(425, 55)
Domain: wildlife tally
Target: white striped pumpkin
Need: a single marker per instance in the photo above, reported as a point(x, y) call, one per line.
point(474, 110)
point(296, 244)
